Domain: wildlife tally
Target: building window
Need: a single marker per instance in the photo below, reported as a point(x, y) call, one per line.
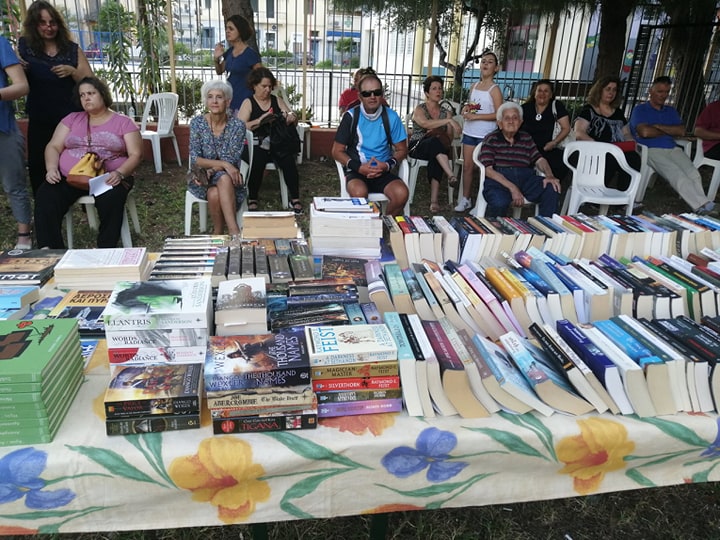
point(270, 8)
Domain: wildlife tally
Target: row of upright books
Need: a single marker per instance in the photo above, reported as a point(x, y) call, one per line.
point(469, 238)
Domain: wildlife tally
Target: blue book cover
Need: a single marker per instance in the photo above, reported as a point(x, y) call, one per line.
point(627, 343)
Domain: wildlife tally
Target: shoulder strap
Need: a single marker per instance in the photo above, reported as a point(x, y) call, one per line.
point(386, 125)
point(355, 111)
point(554, 110)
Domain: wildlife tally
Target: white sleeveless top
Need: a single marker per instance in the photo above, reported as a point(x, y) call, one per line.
point(480, 128)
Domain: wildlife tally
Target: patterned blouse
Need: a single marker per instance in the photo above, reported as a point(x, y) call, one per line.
point(227, 147)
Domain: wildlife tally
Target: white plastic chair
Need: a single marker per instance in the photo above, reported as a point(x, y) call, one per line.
point(700, 160)
point(94, 222)
point(480, 202)
point(588, 177)
point(380, 198)
point(191, 199)
point(166, 106)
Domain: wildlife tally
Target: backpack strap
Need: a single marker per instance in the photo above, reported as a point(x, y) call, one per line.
point(355, 111)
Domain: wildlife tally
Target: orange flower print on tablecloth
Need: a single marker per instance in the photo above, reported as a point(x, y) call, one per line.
point(600, 448)
point(223, 474)
point(359, 424)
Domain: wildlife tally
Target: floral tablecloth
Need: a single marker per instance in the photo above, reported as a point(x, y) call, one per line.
point(86, 481)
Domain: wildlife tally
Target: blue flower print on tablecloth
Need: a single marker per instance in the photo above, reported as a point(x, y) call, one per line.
point(713, 449)
point(432, 450)
point(20, 477)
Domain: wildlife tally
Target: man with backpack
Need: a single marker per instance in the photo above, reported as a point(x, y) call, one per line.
point(369, 142)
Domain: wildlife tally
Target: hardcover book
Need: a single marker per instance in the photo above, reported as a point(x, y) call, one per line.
point(147, 305)
point(140, 391)
point(328, 345)
point(259, 361)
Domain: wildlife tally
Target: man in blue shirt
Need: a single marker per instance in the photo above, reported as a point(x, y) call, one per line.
point(656, 125)
point(371, 151)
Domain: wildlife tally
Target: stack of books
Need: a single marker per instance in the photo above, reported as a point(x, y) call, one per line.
point(30, 267)
point(345, 226)
point(101, 268)
point(151, 322)
point(193, 257)
point(241, 307)
point(270, 225)
point(40, 373)
point(86, 307)
point(259, 383)
point(153, 398)
point(352, 351)
point(15, 300)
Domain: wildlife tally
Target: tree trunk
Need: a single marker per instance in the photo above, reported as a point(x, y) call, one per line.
point(244, 9)
point(611, 38)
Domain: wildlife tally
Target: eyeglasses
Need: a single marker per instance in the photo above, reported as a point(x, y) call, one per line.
point(367, 93)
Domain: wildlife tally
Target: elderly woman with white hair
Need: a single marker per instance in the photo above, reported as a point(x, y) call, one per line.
point(510, 157)
point(217, 139)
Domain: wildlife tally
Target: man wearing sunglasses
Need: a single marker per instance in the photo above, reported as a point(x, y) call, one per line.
point(369, 142)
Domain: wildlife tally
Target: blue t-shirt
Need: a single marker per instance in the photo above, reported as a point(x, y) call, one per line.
point(7, 113)
point(371, 138)
point(238, 68)
point(647, 114)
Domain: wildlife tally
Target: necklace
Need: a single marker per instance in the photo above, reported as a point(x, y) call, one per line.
point(538, 116)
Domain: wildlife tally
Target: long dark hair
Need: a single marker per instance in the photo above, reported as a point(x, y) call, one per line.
point(595, 93)
point(30, 27)
point(547, 82)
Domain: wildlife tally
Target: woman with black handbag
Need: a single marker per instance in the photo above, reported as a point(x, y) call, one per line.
point(433, 132)
point(259, 112)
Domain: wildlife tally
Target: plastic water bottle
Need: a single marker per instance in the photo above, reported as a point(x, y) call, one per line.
point(131, 112)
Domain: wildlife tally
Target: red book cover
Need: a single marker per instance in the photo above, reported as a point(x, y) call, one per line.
point(356, 383)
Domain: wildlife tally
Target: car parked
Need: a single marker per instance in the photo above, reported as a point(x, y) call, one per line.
point(309, 59)
point(93, 51)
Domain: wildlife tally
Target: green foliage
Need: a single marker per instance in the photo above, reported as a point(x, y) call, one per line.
point(344, 45)
point(294, 99)
point(355, 62)
point(272, 53)
point(120, 23)
point(114, 18)
point(181, 49)
point(324, 64)
point(152, 39)
point(188, 90)
point(456, 93)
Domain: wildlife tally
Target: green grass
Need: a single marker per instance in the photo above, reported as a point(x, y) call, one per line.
point(676, 512)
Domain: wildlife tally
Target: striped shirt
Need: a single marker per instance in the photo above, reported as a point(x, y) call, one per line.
point(497, 152)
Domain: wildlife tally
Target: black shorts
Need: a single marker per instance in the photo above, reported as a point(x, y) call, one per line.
point(374, 185)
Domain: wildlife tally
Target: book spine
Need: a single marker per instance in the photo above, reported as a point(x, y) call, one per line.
point(147, 407)
point(371, 312)
point(265, 379)
point(323, 298)
point(187, 337)
point(369, 369)
point(157, 355)
point(356, 383)
point(264, 423)
point(258, 400)
point(353, 408)
point(151, 424)
point(357, 395)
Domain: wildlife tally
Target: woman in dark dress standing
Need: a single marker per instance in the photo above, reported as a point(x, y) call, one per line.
point(53, 64)
point(539, 122)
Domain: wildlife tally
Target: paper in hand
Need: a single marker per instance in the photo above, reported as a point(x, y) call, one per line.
point(99, 185)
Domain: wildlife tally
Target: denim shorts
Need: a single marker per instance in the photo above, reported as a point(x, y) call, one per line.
point(472, 141)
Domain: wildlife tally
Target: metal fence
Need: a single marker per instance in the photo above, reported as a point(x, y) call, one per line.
point(334, 43)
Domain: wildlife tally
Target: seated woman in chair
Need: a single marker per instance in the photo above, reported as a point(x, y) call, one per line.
point(509, 157)
point(432, 135)
point(114, 138)
point(216, 145)
point(256, 111)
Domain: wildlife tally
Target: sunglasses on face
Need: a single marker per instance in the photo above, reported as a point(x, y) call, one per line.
point(367, 93)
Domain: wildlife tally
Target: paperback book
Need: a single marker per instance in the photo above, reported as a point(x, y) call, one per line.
point(329, 345)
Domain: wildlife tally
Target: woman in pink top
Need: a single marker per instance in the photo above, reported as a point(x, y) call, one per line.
point(115, 138)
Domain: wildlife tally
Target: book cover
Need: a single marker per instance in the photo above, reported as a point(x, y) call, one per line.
point(407, 365)
point(86, 307)
point(15, 297)
point(345, 396)
point(151, 424)
point(258, 361)
point(31, 267)
point(305, 419)
point(398, 288)
point(153, 390)
point(396, 239)
point(329, 345)
point(258, 400)
point(160, 337)
point(377, 287)
point(146, 305)
point(334, 266)
point(371, 312)
point(30, 349)
point(343, 204)
point(106, 260)
point(324, 314)
point(366, 369)
point(355, 313)
point(240, 302)
point(279, 268)
point(157, 355)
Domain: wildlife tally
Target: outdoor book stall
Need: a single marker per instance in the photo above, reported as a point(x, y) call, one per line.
point(86, 481)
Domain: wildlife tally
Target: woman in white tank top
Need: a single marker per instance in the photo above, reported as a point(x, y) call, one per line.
point(479, 115)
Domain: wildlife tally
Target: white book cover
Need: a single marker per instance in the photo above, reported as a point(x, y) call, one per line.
point(406, 363)
point(330, 345)
point(342, 204)
point(87, 259)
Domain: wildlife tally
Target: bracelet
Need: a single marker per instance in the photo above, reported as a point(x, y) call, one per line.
point(122, 176)
point(391, 163)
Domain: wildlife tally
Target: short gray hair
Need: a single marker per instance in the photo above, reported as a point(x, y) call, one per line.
point(508, 105)
point(216, 84)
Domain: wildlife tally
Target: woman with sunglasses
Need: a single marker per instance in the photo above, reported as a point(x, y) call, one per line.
point(53, 64)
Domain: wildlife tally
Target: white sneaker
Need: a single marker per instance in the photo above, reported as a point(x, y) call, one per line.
point(463, 205)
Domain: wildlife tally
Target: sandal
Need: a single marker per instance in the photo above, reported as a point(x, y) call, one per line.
point(434, 207)
point(296, 206)
point(252, 205)
point(453, 181)
point(24, 241)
